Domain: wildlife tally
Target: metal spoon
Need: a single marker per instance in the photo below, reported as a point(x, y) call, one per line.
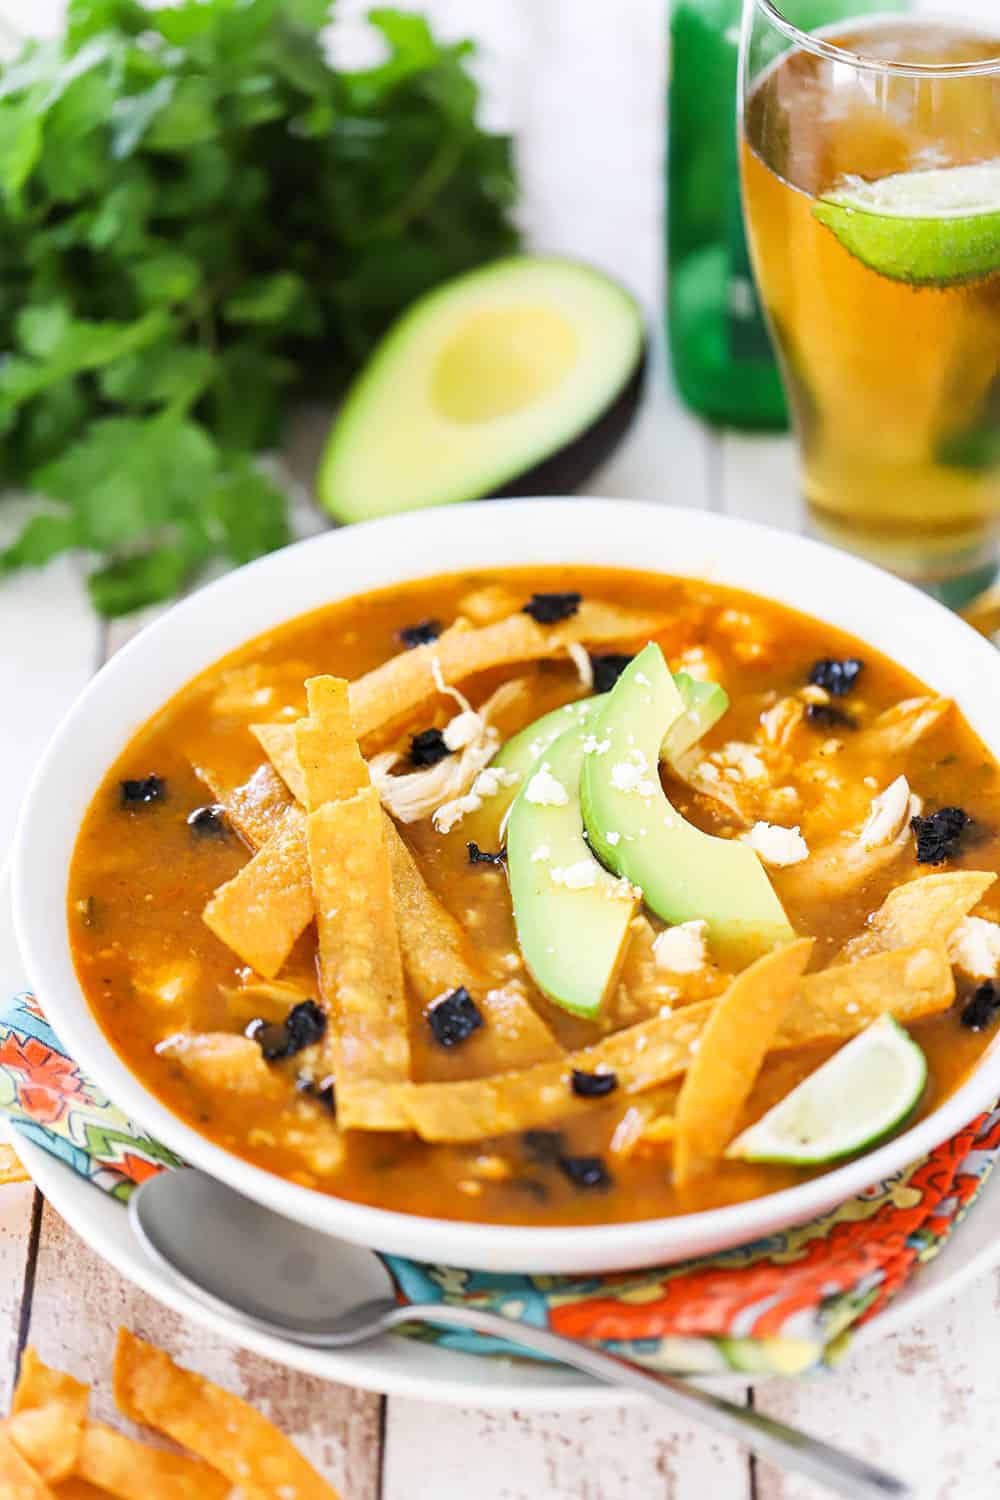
point(296, 1283)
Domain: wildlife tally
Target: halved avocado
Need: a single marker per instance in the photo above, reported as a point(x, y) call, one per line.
point(516, 379)
point(572, 917)
point(682, 872)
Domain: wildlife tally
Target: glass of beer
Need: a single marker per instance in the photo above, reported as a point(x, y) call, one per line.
point(870, 158)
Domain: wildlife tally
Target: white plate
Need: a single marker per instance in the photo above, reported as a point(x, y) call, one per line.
point(397, 1366)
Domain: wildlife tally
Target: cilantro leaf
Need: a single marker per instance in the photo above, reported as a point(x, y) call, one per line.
point(201, 219)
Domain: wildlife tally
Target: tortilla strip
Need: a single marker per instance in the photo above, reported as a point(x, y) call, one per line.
point(264, 909)
point(326, 747)
point(361, 973)
point(48, 1411)
point(404, 683)
point(736, 1039)
point(220, 1428)
point(908, 983)
point(256, 807)
point(659, 1050)
point(436, 959)
point(432, 943)
point(278, 743)
point(926, 910)
point(18, 1479)
point(124, 1467)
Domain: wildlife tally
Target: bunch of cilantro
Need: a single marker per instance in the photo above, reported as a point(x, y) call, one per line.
point(199, 218)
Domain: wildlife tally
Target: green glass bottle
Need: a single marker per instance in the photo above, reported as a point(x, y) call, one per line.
point(719, 345)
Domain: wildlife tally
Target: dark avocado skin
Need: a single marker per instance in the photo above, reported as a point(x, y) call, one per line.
point(572, 464)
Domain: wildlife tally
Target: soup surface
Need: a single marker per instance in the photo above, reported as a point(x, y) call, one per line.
point(401, 1053)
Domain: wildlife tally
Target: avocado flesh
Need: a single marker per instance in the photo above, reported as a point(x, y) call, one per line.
point(516, 378)
point(684, 874)
point(572, 936)
point(704, 702)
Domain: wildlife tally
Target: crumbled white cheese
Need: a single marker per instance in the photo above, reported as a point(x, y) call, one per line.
point(612, 838)
point(593, 746)
point(890, 815)
point(641, 679)
point(777, 846)
point(486, 784)
point(743, 759)
point(544, 790)
point(974, 947)
point(541, 854)
point(629, 775)
point(462, 729)
point(580, 658)
point(578, 877)
point(682, 949)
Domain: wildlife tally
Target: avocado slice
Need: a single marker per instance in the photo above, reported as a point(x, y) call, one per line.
point(572, 916)
point(704, 704)
point(683, 873)
point(515, 379)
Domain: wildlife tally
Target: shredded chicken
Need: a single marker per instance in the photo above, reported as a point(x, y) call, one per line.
point(900, 727)
point(974, 947)
point(448, 790)
point(849, 860)
point(780, 722)
point(580, 657)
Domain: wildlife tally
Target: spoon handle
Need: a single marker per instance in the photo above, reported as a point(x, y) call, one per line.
point(787, 1446)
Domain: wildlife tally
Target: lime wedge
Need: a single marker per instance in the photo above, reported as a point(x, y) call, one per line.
point(934, 228)
point(861, 1094)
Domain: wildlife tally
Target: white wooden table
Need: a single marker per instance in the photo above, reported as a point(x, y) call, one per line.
point(583, 83)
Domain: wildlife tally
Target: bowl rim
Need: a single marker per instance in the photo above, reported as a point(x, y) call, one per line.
point(706, 546)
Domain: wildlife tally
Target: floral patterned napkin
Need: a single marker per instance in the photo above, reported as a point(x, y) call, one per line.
point(779, 1306)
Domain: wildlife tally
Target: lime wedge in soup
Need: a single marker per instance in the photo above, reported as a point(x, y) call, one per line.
point(930, 228)
point(855, 1099)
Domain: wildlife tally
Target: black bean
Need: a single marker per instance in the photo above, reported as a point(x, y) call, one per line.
point(826, 716)
point(608, 669)
point(981, 1010)
point(479, 856)
point(836, 676)
point(585, 1171)
point(549, 609)
point(592, 1085)
point(427, 748)
point(420, 634)
point(939, 835)
point(208, 822)
point(304, 1025)
point(454, 1018)
point(143, 790)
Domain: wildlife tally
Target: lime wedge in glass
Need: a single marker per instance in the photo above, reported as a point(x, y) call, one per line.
point(855, 1099)
point(933, 228)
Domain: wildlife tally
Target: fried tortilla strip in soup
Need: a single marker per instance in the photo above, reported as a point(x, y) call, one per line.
point(405, 683)
point(659, 1050)
point(361, 973)
point(924, 910)
point(436, 960)
point(255, 808)
point(325, 745)
point(263, 911)
point(739, 1033)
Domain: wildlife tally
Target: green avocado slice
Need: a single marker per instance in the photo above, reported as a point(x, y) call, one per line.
point(683, 873)
point(518, 378)
point(572, 916)
point(704, 702)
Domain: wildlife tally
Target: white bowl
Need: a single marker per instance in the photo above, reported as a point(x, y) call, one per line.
point(894, 618)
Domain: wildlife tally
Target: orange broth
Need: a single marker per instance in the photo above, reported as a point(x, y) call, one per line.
point(150, 967)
